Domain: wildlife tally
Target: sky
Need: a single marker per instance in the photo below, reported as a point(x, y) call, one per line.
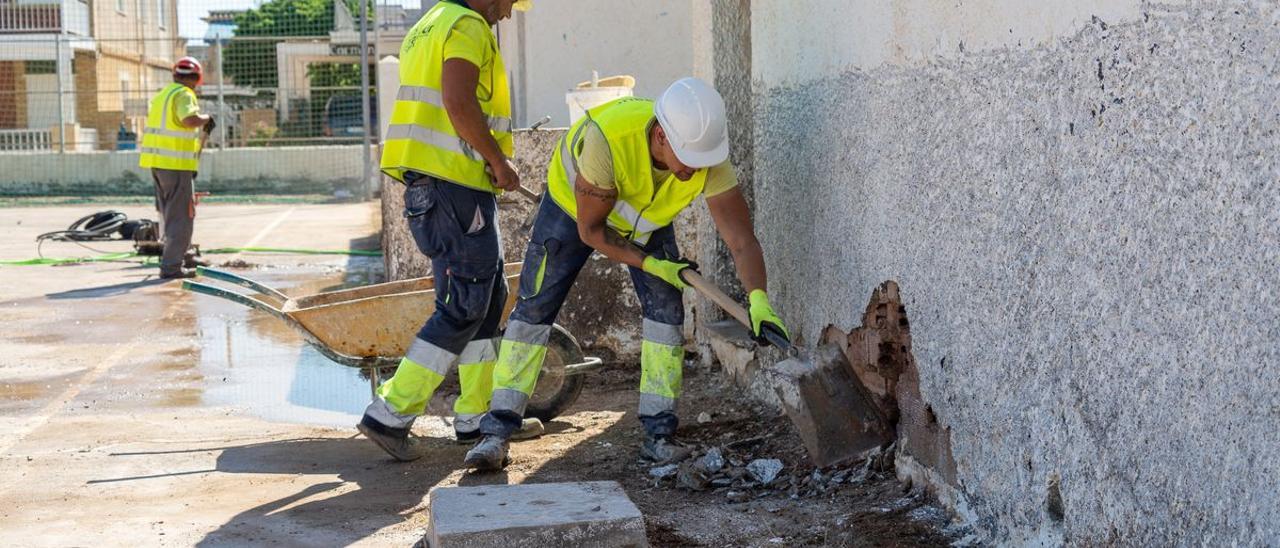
point(190, 12)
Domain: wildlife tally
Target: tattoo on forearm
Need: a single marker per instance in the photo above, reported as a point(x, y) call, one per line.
point(615, 239)
point(597, 193)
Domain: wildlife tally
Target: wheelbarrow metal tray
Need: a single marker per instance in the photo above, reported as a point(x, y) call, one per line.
point(368, 322)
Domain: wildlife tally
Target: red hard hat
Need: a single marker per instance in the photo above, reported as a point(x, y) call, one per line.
point(188, 66)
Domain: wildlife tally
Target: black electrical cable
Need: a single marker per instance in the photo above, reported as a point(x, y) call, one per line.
point(96, 227)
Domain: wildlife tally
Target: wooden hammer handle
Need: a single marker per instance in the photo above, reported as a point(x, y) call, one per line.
point(693, 278)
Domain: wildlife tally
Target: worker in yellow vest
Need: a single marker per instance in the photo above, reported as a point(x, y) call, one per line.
point(449, 142)
point(616, 182)
point(171, 145)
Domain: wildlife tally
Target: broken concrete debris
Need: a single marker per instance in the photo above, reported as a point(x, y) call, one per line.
point(764, 470)
point(831, 410)
point(744, 477)
point(594, 513)
point(663, 471)
point(713, 461)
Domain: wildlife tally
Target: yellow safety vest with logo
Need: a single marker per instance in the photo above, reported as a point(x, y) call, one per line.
point(420, 136)
point(166, 143)
point(643, 204)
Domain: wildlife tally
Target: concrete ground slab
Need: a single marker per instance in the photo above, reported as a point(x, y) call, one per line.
point(593, 513)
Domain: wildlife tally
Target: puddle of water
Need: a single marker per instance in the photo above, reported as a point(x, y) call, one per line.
point(272, 373)
point(256, 362)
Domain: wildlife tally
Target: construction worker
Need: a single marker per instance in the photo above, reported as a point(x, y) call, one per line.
point(616, 182)
point(171, 145)
point(449, 142)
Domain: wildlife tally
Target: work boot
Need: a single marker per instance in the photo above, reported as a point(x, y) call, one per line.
point(529, 428)
point(490, 455)
point(663, 450)
point(401, 448)
point(191, 260)
point(180, 273)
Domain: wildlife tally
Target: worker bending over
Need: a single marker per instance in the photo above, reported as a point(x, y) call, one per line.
point(616, 182)
point(171, 145)
point(449, 142)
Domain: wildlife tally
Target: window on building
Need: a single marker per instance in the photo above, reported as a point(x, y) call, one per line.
point(41, 67)
point(162, 13)
point(142, 10)
point(120, 7)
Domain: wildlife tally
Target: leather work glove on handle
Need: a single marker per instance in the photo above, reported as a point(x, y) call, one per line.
point(763, 316)
point(669, 271)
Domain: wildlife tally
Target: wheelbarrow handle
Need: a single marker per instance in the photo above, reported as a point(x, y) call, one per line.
point(240, 281)
point(232, 296)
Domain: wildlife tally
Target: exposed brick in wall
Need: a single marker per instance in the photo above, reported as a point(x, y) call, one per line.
point(879, 353)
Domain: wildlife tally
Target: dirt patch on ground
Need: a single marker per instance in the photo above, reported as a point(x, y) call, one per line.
point(856, 505)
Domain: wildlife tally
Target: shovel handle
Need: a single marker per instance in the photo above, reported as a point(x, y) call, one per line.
point(708, 289)
point(521, 190)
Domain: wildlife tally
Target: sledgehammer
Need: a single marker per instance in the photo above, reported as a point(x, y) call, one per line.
point(834, 414)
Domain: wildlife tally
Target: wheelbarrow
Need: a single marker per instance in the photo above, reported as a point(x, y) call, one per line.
point(370, 327)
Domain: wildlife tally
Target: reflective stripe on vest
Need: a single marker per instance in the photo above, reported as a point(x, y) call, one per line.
point(166, 143)
point(639, 209)
point(420, 136)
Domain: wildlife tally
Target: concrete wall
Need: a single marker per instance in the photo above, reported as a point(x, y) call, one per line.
point(556, 45)
point(289, 170)
point(1079, 202)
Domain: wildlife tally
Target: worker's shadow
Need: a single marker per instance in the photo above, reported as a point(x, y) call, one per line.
point(384, 491)
point(107, 290)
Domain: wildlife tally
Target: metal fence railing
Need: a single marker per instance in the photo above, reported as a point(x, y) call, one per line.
point(285, 73)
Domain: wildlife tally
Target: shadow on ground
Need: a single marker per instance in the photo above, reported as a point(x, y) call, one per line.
point(107, 290)
point(370, 491)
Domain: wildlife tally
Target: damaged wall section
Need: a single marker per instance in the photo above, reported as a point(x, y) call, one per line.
point(1083, 218)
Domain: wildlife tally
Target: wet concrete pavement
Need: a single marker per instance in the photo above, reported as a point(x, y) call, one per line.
point(131, 411)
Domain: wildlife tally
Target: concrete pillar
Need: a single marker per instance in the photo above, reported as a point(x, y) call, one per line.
point(722, 31)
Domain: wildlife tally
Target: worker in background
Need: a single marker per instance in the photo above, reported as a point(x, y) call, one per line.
point(616, 182)
point(171, 145)
point(449, 141)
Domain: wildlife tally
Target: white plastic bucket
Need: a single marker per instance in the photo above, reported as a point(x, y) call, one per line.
point(579, 100)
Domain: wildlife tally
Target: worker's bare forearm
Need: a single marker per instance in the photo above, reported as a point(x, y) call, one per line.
point(594, 205)
point(611, 244)
point(196, 120)
point(732, 216)
point(460, 103)
point(749, 258)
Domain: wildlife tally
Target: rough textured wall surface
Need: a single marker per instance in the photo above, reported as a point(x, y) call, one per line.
point(1086, 234)
point(727, 66)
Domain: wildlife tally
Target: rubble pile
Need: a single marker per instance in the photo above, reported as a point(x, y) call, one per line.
point(741, 474)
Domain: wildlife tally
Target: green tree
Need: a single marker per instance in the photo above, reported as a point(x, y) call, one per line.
point(250, 58)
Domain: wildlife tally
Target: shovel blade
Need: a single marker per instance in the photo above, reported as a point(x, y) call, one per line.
point(835, 415)
point(729, 330)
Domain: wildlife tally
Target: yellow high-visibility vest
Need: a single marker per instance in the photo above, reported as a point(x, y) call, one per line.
point(420, 136)
point(639, 210)
point(166, 143)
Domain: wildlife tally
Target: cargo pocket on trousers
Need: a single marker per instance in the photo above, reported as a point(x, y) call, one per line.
point(418, 204)
point(535, 258)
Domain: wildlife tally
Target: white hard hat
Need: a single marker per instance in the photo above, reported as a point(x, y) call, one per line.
point(691, 113)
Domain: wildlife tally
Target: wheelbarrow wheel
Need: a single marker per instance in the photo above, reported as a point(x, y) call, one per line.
point(555, 391)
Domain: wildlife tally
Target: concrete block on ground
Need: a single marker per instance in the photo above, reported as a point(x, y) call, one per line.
point(835, 415)
point(593, 513)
